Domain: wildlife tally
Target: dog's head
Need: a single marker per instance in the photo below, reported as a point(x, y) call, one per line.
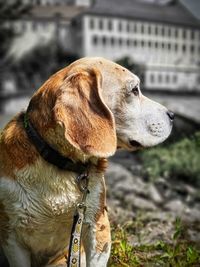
point(99, 106)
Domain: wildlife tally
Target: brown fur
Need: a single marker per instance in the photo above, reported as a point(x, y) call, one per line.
point(16, 149)
point(102, 165)
point(81, 96)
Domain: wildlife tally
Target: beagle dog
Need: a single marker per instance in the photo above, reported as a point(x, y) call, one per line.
point(83, 112)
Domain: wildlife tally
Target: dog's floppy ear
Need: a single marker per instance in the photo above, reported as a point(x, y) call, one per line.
point(88, 123)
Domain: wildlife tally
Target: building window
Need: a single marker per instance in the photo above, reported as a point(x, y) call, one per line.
point(120, 41)
point(135, 27)
point(169, 46)
point(156, 44)
point(110, 25)
point(160, 78)
point(101, 24)
point(149, 44)
point(128, 27)
point(120, 26)
point(184, 47)
point(152, 78)
point(149, 29)
point(156, 30)
point(92, 23)
point(142, 28)
point(135, 43)
point(176, 47)
point(104, 40)
point(192, 48)
point(192, 34)
point(176, 32)
point(184, 34)
point(167, 78)
point(95, 40)
point(174, 78)
point(162, 31)
point(112, 41)
point(142, 43)
point(169, 32)
point(128, 42)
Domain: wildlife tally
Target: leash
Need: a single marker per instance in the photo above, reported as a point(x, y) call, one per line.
point(52, 156)
point(74, 256)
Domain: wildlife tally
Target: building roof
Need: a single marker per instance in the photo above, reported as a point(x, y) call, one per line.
point(173, 13)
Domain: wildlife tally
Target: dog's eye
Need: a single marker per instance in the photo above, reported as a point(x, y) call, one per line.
point(132, 88)
point(135, 90)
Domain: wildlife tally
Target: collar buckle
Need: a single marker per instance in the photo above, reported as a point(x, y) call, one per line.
point(82, 182)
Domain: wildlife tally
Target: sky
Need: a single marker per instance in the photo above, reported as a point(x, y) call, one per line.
point(193, 6)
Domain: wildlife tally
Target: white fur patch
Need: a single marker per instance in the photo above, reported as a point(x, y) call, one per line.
point(17, 255)
point(42, 202)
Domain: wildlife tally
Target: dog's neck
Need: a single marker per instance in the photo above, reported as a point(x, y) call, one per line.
point(55, 137)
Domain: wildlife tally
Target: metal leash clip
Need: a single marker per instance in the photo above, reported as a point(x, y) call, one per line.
point(82, 181)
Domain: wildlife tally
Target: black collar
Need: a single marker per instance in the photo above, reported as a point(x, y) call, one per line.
point(50, 154)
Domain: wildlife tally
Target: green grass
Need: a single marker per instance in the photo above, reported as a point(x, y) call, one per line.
point(178, 253)
point(178, 160)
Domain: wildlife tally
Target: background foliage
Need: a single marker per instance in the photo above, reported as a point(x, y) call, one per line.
point(39, 64)
point(178, 160)
point(9, 11)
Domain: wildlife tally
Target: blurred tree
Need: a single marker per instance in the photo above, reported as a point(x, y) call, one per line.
point(10, 10)
point(136, 68)
point(38, 64)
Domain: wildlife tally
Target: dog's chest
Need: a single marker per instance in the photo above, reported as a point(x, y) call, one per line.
point(42, 212)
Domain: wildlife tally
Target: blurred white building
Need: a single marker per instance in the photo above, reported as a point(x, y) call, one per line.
point(160, 34)
point(46, 20)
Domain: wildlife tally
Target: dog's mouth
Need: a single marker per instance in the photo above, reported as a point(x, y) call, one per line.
point(130, 145)
point(135, 144)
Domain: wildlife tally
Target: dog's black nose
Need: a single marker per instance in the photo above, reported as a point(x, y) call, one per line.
point(170, 115)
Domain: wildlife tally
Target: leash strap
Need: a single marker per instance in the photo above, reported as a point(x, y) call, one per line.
point(74, 257)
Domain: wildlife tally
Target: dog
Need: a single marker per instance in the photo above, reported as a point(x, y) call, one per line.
point(84, 113)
